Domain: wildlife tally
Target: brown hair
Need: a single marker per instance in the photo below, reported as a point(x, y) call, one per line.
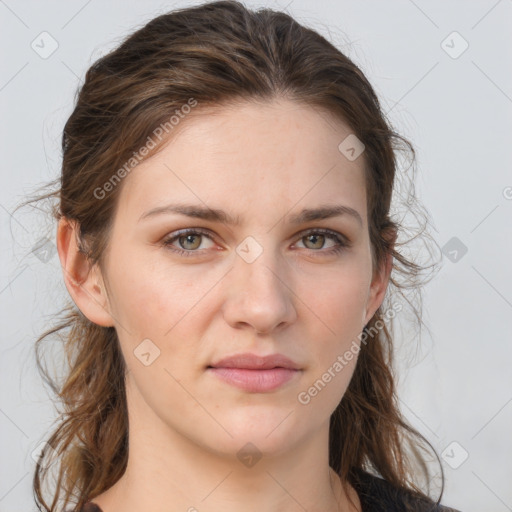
point(212, 54)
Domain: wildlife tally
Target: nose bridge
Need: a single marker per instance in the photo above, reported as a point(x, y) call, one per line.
point(264, 274)
point(259, 292)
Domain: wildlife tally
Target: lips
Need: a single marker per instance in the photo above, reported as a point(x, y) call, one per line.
point(253, 362)
point(256, 374)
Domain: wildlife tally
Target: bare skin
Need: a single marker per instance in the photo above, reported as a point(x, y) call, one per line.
point(263, 163)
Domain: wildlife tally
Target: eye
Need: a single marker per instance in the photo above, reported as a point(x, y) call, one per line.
point(189, 241)
point(316, 238)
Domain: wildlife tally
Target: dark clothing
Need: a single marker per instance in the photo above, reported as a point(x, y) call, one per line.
point(375, 494)
point(378, 495)
point(90, 507)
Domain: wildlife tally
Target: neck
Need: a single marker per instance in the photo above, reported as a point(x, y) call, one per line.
point(167, 470)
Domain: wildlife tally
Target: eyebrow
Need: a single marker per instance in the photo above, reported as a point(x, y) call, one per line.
point(217, 215)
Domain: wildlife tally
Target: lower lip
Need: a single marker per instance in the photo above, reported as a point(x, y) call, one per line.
point(255, 381)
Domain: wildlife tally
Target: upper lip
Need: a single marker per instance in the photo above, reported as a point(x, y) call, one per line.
point(255, 362)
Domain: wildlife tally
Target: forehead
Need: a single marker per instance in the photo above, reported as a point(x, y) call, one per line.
point(250, 157)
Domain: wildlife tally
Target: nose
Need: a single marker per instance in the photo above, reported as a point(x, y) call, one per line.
point(260, 295)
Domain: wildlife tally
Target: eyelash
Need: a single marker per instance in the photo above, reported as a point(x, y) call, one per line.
point(343, 242)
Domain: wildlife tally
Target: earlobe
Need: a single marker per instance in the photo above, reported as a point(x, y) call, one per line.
point(83, 282)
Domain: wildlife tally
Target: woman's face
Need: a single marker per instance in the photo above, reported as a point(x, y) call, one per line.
point(267, 284)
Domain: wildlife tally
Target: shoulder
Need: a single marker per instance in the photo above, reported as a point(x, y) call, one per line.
point(378, 495)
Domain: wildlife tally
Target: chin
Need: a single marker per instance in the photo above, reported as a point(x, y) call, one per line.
point(267, 432)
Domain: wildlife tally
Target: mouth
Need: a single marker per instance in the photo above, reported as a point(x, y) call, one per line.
point(255, 373)
point(255, 380)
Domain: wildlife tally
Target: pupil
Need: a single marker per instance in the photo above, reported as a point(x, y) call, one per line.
point(313, 237)
point(189, 239)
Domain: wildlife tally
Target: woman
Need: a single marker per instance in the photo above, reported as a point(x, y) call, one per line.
point(225, 235)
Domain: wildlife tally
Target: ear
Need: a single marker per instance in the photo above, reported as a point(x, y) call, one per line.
point(84, 284)
point(380, 281)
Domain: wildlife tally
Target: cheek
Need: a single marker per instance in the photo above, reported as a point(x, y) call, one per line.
point(138, 299)
point(340, 302)
point(148, 298)
point(338, 312)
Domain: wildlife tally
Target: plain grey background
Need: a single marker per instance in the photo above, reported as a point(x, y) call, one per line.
point(442, 70)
